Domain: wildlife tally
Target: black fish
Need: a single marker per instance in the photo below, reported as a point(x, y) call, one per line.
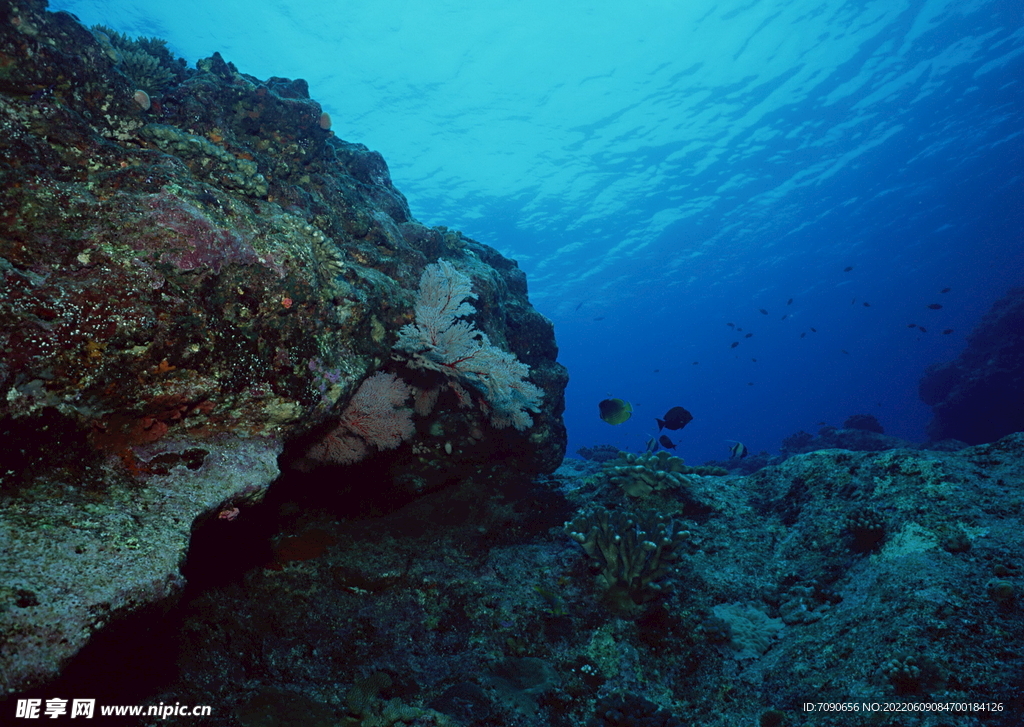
point(947, 331)
point(696, 362)
point(911, 325)
point(763, 311)
point(866, 304)
point(675, 418)
point(734, 344)
point(665, 442)
point(922, 329)
point(934, 306)
point(814, 330)
point(848, 269)
point(754, 360)
point(789, 302)
point(731, 325)
point(945, 290)
point(748, 335)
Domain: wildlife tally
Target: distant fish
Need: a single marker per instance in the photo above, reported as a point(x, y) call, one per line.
point(935, 306)
point(754, 360)
point(734, 344)
point(738, 329)
point(866, 304)
point(748, 335)
point(578, 307)
point(598, 318)
point(922, 329)
point(947, 331)
point(911, 325)
point(696, 362)
point(853, 301)
point(789, 302)
point(665, 442)
point(675, 418)
point(845, 351)
point(731, 325)
point(652, 444)
point(945, 290)
point(750, 383)
point(615, 411)
point(803, 335)
point(763, 311)
point(848, 268)
point(814, 330)
point(657, 371)
point(784, 317)
point(737, 450)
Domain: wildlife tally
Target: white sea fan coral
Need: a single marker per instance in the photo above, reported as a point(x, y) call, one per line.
point(441, 341)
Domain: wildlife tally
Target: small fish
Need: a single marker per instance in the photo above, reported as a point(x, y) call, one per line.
point(845, 351)
point(657, 371)
point(578, 307)
point(945, 290)
point(737, 450)
point(754, 360)
point(911, 325)
point(665, 442)
point(789, 302)
point(675, 418)
point(848, 268)
point(763, 311)
point(784, 317)
point(748, 335)
point(947, 331)
point(866, 304)
point(935, 306)
point(738, 329)
point(734, 344)
point(922, 329)
point(615, 411)
point(652, 444)
point(598, 318)
point(803, 335)
point(696, 362)
point(814, 330)
point(750, 383)
point(853, 301)
point(731, 325)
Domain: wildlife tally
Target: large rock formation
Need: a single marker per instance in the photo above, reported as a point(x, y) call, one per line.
point(196, 276)
point(979, 397)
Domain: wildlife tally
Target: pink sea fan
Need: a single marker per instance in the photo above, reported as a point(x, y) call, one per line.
point(375, 416)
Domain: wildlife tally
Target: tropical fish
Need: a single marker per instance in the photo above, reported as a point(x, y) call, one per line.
point(675, 418)
point(615, 411)
point(665, 442)
point(934, 306)
point(652, 445)
point(738, 450)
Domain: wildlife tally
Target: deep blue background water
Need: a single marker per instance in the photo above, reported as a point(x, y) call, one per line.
point(661, 171)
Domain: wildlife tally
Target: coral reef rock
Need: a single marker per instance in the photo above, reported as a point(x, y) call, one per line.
point(979, 397)
point(196, 276)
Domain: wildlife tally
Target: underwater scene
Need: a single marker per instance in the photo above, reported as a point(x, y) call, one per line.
point(390, 364)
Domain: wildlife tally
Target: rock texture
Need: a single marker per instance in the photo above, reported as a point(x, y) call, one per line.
point(196, 276)
point(979, 397)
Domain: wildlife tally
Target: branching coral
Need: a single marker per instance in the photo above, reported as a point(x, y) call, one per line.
point(641, 474)
point(632, 555)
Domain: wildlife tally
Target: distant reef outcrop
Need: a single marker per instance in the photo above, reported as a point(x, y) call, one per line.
point(198, 279)
point(979, 397)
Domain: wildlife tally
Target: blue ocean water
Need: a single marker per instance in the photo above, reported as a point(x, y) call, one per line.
point(663, 169)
